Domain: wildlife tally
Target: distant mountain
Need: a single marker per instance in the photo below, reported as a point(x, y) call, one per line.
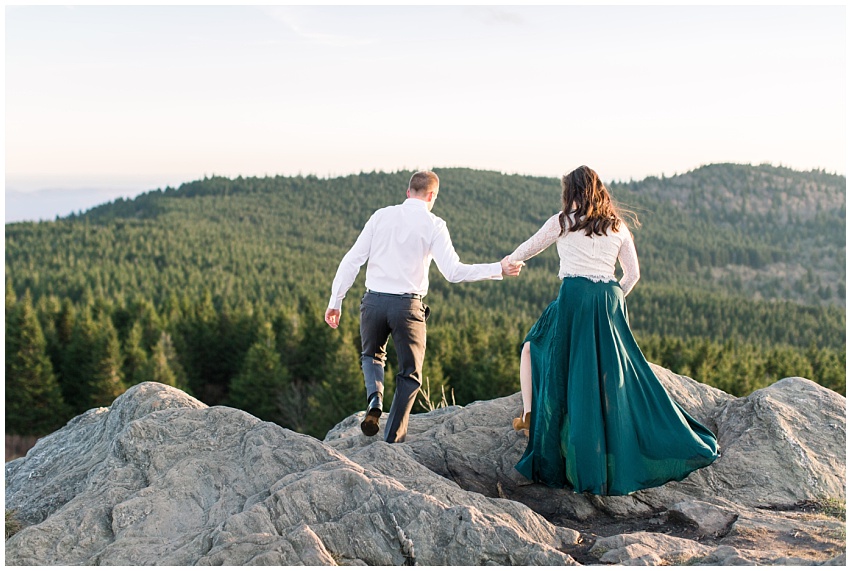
point(763, 231)
point(750, 232)
point(750, 192)
point(219, 285)
point(50, 203)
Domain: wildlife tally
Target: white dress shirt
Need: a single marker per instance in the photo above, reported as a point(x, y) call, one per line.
point(591, 257)
point(400, 242)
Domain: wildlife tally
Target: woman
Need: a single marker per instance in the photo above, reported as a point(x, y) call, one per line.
point(602, 422)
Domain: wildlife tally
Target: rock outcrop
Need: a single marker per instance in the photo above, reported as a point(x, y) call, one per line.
point(160, 478)
point(779, 445)
point(782, 453)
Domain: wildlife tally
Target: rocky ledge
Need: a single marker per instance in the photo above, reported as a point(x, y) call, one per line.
point(160, 478)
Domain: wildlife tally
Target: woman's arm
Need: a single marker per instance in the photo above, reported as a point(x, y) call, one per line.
point(629, 264)
point(542, 239)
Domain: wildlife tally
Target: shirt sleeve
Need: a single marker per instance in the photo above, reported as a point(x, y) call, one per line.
point(539, 242)
point(449, 263)
point(629, 263)
point(350, 266)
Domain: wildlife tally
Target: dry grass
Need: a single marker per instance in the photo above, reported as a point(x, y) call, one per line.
point(13, 526)
point(832, 507)
point(426, 394)
point(18, 446)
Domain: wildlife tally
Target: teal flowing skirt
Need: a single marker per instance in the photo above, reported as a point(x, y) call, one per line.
point(601, 420)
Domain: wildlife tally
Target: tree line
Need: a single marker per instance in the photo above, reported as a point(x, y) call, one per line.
point(218, 288)
point(283, 364)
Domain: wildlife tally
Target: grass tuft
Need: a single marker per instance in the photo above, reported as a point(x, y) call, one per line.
point(13, 526)
point(833, 507)
point(428, 405)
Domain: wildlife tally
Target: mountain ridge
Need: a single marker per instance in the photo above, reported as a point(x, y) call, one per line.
point(221, 282)
point(690, 236)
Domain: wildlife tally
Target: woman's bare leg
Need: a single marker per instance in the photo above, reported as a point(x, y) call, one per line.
point(526, 378)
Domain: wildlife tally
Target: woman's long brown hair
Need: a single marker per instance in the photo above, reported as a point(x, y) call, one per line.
point(586, 197)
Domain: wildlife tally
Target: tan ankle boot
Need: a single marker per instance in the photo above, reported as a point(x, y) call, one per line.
point(523, 422)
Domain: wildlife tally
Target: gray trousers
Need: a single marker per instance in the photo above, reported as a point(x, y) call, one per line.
point(405, 319)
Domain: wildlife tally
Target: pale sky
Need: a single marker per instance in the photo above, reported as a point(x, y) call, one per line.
point(125, 99)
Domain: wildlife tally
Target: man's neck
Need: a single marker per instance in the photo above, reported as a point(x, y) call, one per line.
point(419, 202)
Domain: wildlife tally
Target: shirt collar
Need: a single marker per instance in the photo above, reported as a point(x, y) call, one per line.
point(416, 202)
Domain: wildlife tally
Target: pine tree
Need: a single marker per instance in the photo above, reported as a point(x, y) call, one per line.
point(340, 392)
point(439, 350)
point(263, 381)
point(34, 404)
point(76, 367)
point(135, 357)
point(163, 365)
point(11, 298)
point(237, 333)
point(47, 309)
point(106, 384)
point(828, 367)
point(196, 339)
point(91, 364)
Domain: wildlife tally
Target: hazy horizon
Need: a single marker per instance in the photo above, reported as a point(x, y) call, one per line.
point(52, 201)
point(119, 100)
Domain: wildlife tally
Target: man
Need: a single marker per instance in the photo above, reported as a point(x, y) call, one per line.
point(400, 242)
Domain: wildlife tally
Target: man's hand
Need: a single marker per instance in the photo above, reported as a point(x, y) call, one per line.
point(510, 268)
point(332, 317)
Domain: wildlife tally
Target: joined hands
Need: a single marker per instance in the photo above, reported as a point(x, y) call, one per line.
point(510, 268)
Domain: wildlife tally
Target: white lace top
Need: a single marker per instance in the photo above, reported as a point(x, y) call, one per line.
point(591, 257)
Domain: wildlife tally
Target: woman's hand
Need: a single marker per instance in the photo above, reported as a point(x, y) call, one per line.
point(510, 268)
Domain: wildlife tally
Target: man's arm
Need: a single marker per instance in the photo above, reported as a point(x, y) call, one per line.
point(347, 272)
point(449, 263)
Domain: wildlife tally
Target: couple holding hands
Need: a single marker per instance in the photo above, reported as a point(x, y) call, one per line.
point(598, 419)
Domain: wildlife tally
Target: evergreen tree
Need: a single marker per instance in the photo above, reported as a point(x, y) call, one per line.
point(59, 343)
point(828, 367)
point(484, 364)
point(92, 364)
point(106, 384)
point(198, 342)
point(341, 391)
point(77, 369)
point(34, 404)
point(263, 380)
point(122, 263)
point(237, 333)
point(327, 384)
point(163, 366)
point(10, 294)
point(135, 357)
point(436, 385)
point(785, 362)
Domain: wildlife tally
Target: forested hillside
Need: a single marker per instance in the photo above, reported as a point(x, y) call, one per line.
point(219, 286)
point(771, 232)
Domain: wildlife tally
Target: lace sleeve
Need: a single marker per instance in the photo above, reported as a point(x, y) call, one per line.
point(542, 239)
point(629, 263)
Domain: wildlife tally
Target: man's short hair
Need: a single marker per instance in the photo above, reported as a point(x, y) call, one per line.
point(423, 182)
